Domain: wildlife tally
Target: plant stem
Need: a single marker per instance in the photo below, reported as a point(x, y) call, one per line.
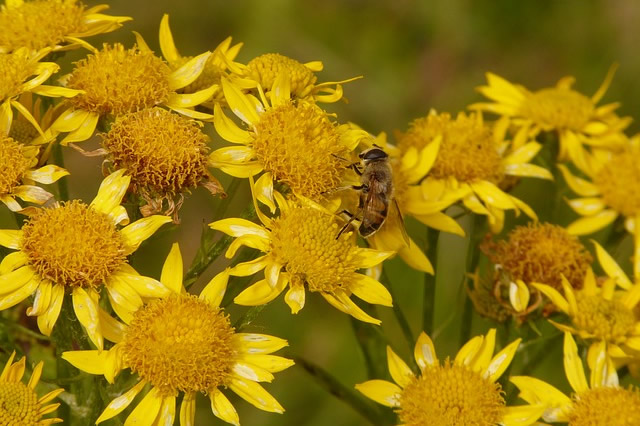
point(400, 317)
point(372, 343)
point(473, 256)
point(58, 158)
point(428, 307)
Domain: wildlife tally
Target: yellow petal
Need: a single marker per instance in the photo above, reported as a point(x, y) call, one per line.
point(611, 267)
point(523, 154)
point(167, 413)
point(591, 224)
point(424, 352)
point(236, 227)
point(32, 194)
point(246, 370)
point(270, 363)
point(222, 408)
point(188, 409)
point(342, 302)
point(84, 130)
point(573, 365)
point(587, 206)
point(120, 403)
point(522, 415)
point(250, 267)
point(144, 286)
point(10, 238)
point(6, 117)
point(46, 174)
point(518, 295)
point(254, 343)
point(92, 362)
point(241, 106)
point(124, 299)
point(112, 329)
point(86, 310)
point(12, 281)
point(167, 46)
point(370, 290)
point(441, 222)
point(603, 371)
point(399, 370)
point(501, 361)
point(527, 170)
point(111, 191)
point(381, 391)
point(281, 89)
point(35, 375)
point(367, 258)
point(255, 394)
point(171, 275)
point(189, 100)
point(295, 298)
point(47, 320)
point(227, 129)
point(483, 358)
point(259, 293)
point(554, 295)
point(11, 299)
point(42, 299)
point(578, 185)
point(214, 291)
point(492, 195)
point(188, 72)
point(138, 231)
point(11, 262)
point(469, 350)
point(537, 392)
point(146, 411)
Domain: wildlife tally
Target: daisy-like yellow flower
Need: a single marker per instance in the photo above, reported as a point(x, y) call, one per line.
point(576, 118)
point(462, 392)
point(472, 160)
point(600, 313)
point(19, 403)
point(217, 66)
point(612, 192)
point(301, 250)
point(599, 402)
point(536, 253)
point(164, 153)
point(21, 129)
point(22, 72)
point(294, 142)
point(18, 172)
point(185, 344)
point(77, 248)
point(115, 81)
point(55, 24)
point(264, 71)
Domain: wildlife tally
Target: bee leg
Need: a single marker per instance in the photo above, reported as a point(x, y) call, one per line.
point(348, 213)
point(352, 217)
point(356, 168)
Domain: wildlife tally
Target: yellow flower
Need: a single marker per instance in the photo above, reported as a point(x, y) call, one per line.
point(295, 142)
point(611, 193)
point(22, 72)
point(19, 403)
point(600, 313)
point(56, 24)
point(165, 155)
point(264, 71)
point(116, 81)
point(219, 64)
point(21, 129)
point(185, 344)
point(471, 161)
point(18, 172)
point(599, 402)
point(301, 250)
point(536, 253)
point(462, 392)
point(78, 248)
point(576, 118)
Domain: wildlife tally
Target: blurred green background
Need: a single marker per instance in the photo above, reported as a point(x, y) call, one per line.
point(414, 56)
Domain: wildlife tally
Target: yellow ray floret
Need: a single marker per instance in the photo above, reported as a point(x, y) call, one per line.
point(599, 402)
point(19, 403)
point(185, 344)
point(464, 391)
point(78, 248)
point(56, 24)
point(302, 253)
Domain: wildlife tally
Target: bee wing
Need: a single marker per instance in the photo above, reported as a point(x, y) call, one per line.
point(405, 236)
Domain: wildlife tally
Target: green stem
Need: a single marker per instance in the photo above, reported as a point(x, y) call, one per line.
point(24, 330)
point(476, 231)
point(372, 343)
point(346, 394)
point(428, 306)
point(211, 254)
point(58, 158)
point(400, 317)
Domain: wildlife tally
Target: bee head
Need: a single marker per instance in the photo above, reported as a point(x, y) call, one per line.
point(373, 154)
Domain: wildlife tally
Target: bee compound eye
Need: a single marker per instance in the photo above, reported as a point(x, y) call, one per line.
point(373, 154)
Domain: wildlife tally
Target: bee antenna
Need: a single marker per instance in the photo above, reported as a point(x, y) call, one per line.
point(340, 158)
point(377, 146)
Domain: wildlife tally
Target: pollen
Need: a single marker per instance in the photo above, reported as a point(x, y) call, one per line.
point(18, 404)
point(301, 147)
point(164, 153)
point(617, 181)
point(468, 151)
point(265, 69)
point(40, 23)
point(541, 252)
point(304, 240)
point(13, 164)
point(453, 395)
point(15, 68)
point(73, 245)
point(558, 108)
point(118, 80)
point(609, 320)
point(606, 406)
point(181, 344)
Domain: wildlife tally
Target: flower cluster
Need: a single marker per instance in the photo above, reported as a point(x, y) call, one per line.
point(329, 205)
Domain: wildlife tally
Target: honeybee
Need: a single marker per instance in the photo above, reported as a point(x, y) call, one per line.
point(376, 193)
